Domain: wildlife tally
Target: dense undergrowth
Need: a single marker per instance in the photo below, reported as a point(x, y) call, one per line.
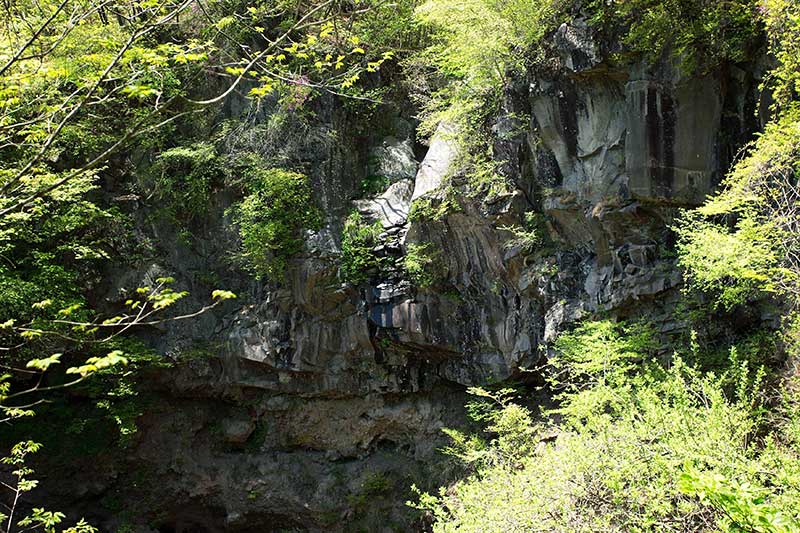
point(635, 444)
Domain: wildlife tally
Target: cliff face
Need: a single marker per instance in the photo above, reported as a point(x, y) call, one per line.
point(317, 402)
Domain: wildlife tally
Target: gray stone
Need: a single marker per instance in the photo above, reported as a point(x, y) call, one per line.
point(641, 255)
point(393, 160)
point(237, 431)
point(391, 207)
point(671, 135)
point(576, 46)
point(439, 162)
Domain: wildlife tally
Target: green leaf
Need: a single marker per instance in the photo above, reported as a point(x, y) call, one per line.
point(222, 295)
point(44, 364)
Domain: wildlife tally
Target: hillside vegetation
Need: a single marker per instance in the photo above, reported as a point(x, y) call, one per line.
point(106, 102)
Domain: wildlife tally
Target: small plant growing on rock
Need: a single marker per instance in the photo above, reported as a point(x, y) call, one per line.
point(428, 208)
point(420, 264)
point(374, 485)
point(373, 185)
point(359, 239)
point(186, 177)
point(526, 236)
point(484, 179)
point(271, 217)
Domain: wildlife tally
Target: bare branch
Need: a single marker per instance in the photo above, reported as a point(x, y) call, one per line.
point(33, 37)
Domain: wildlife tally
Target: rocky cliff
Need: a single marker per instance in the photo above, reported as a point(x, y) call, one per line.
point(314, 404)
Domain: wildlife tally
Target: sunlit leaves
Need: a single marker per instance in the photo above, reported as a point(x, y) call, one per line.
point(475, 45)
point(734, 263)
point(235, 71)
point(43, 304)
point(222, 295)
point(67, 311)
point(325, 56)
point(20, 451)
point(670, 450)
point(95, 364)
point(744, 506)
point(44, 364)
point(165, 297)
point(260, 92)
point(699, 34)
point(744, 240)
point(11, 413)
point(782, 18)
point(39, 518)
point(139, 92)
point(186, 177)
point(271, 218)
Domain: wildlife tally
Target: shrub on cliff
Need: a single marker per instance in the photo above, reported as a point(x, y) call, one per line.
point(271, 219)
point(475, 47)
point(745, 240)
point(699, 34)
point(185, 177)
point(359, 238)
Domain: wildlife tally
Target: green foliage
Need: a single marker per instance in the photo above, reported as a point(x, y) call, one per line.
point(433, 208)
point(526, 236)
point(591, 362)
point(84, 89)
point(49, 248)
point(743, 505)
point(219, 294)
point(391, 28)
point(94, 348)
point(359, 260)
point(271, 219)
point(373, 485)
point(744, 241)
point(511, 425)
point(186, 176)
point(475, 46)
point(701, 34)
point(118, 395)
point(482, 174)
point(39, 518)
point(422, 265)
point(325, 52)
point(734, 263)
point(634, 445)
point(754, 253)
point(372, 185)
point(77, 84)
point(782, 18)
point(475, 49)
